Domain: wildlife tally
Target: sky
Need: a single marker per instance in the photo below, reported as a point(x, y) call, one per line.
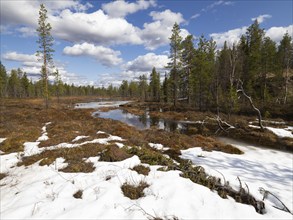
point(104, 42)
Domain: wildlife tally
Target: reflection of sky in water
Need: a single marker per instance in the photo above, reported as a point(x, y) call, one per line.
point(130, 119)
point(144, 121)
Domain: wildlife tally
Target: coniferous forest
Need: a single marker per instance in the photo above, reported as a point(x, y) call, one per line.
point(199, 76)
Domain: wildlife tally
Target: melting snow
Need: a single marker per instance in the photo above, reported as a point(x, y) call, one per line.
point(158, 146)
point(280, 132)
point(43, 192)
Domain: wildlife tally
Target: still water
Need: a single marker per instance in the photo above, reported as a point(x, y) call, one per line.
point(145, 121)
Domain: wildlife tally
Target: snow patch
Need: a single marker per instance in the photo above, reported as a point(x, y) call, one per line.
point(120, 145)
point(79, 138)
point(43, 192)
point(44, 135)
point(257, 167)
point(31, 148)
point(280, 132)
point(2, 139)
point(158, 146)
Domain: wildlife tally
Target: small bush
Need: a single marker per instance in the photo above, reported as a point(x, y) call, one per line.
point(150, 156)
point(142, 169)
point(78, 194)
point(113, 153)
point(134, 192)
point(47, 161)
point(77, 166)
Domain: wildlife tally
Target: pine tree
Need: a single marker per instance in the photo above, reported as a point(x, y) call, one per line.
point(45, 42)
point(188, 60)
point(254, 37)
point(14, 84)
point(143, 87)
point(155, 85)
point(268, 57)
point(204, 70)
point(165, 89)
point(3, 80)
point(59, 85)
point(285, 54)
point(24, 85)
point(124, 88)
point(176, 60)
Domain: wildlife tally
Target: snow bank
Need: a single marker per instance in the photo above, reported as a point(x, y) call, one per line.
point(280, 132)
point(269, 169)
point(44, 192)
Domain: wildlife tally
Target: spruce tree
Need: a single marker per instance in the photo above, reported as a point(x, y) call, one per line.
point(254, 37)
point(188, 60)
point(45, 51)
point(285, 54)
point(3, 80)
point(155, 85)
point(176, 60)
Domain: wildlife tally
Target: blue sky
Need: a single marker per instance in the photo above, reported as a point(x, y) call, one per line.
point(103, 42)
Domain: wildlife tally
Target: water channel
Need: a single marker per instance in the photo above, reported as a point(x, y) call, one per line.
point(145, 121)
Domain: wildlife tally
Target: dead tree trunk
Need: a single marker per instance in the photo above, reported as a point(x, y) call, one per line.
point(240, 89)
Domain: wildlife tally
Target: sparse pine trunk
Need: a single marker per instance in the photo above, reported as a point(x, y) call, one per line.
point(45, 42)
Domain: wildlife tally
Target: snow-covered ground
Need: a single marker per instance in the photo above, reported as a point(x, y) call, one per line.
point(280, 132)
point(257, 167)
point(43, 192)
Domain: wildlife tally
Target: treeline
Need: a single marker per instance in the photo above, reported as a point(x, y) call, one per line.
point(17, 85)
point(202, 77)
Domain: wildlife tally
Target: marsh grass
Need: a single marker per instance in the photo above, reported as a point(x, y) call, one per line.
point(78, 194)
point(149, 156)
point(134, 191)
point(113, 153)
point(140, 169)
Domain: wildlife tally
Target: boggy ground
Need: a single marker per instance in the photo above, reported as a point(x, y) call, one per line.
point(22, 120)
point(209, 125)
point(25, 120)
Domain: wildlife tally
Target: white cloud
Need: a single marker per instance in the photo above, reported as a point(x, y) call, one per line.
point(143, 65)
point(78, 26)
point(109, 78)
point(261, 18)
point(231, 36)
point(19, 57)
point(217, 3)
point(19, 12)
point(27, 31)
point(121, 8)
point(195, 16)
point(26, 12)
point(56, 6)
point(31, 65)
point(167, 17)
point(157, 33)
point(105, 56)
point(277, 33)
point(94, 27)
